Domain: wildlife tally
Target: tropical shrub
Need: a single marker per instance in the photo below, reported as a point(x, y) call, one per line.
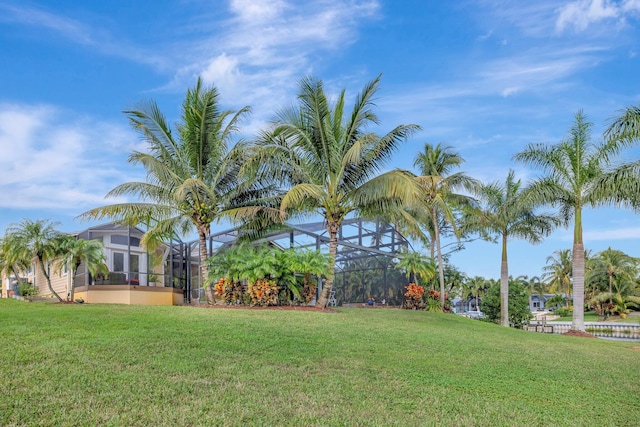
point(290, 269)
point(27, 289)
point(263, 292)
point(231, 292)
point(433, 302)
point(433, 305)
point(519, 313)
point(413, 297)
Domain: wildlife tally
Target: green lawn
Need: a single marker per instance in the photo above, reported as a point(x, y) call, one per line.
point(116, 365)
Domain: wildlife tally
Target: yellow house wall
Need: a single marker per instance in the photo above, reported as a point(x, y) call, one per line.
point(125, 294)
point(58, 282)
point(178, 298)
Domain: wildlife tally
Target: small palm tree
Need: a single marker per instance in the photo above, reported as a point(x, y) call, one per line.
point(616, 266)
point(308, 263)
point(10, 261)
point(438, 186)
point(558, 271)
point(536, 286)
point(416, 264)
point(193, 176)
point(507, 211)
point(478, 286)
point(77, 251)
point(37, 240)
point(578, 173)
point(331, 163)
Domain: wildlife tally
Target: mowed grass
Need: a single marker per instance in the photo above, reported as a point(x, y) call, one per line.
point(79, 365)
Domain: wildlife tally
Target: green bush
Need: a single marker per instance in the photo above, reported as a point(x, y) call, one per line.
point(563, 312)
point(26, 289)
point(519, 313)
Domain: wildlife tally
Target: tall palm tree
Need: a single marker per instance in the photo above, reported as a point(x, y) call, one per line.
point(574, 171)
point(78, 251)
point(37, 240)
point(557, 273)
point(622, 187)
point(438, 185)
point(331, 164)
point(626, 126)
point(508, 212)
point(193, 174)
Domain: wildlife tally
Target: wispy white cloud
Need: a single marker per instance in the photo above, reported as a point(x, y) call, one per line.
point(580, 14)
point(52, 161)
point(257, 55)
point(38, 17)
point(78, 32)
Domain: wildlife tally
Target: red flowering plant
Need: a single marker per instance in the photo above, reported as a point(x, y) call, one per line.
point(231, 292)
point(264, 292)
point(413, 297)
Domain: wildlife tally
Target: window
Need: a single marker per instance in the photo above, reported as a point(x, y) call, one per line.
point(134, 266)
point(119, 239)
point(118, 262)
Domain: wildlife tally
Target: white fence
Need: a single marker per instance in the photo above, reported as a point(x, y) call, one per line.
point(629, 331)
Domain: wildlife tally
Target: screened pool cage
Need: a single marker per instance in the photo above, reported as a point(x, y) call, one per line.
point(367, 253)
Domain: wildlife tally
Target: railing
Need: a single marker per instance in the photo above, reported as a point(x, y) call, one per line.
point(630, 331)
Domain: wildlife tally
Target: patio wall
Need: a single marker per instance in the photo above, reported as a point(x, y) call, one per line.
point(127, 294)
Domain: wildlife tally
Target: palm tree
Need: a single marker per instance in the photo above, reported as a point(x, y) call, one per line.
point(307, 263)
point(478, 285)
point(625, 127)
point(558, 272)
point(537, 286)
point(616, 266)
point(438, 185)
point(37, 240)
point(507, 212)
point(622, 186)
point(575, 171)
point(332, 164)
point(193, 176)
point(464, 288)
point(78, 251)
point(416, 264)
point(10, 262)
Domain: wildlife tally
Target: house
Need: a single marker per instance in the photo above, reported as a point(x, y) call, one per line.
point(171, 274)
point(135, 275)
point(460, 306)
point(539, 302)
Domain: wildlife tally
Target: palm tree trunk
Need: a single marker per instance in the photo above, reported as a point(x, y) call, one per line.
point(204, 268)
point(504, 285)
point(332, 229)
point(578, 287)
point(610, 289)
point(436, 230)
point(46, 276)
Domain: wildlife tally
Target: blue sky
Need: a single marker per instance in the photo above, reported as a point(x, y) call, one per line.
point(486, 77)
